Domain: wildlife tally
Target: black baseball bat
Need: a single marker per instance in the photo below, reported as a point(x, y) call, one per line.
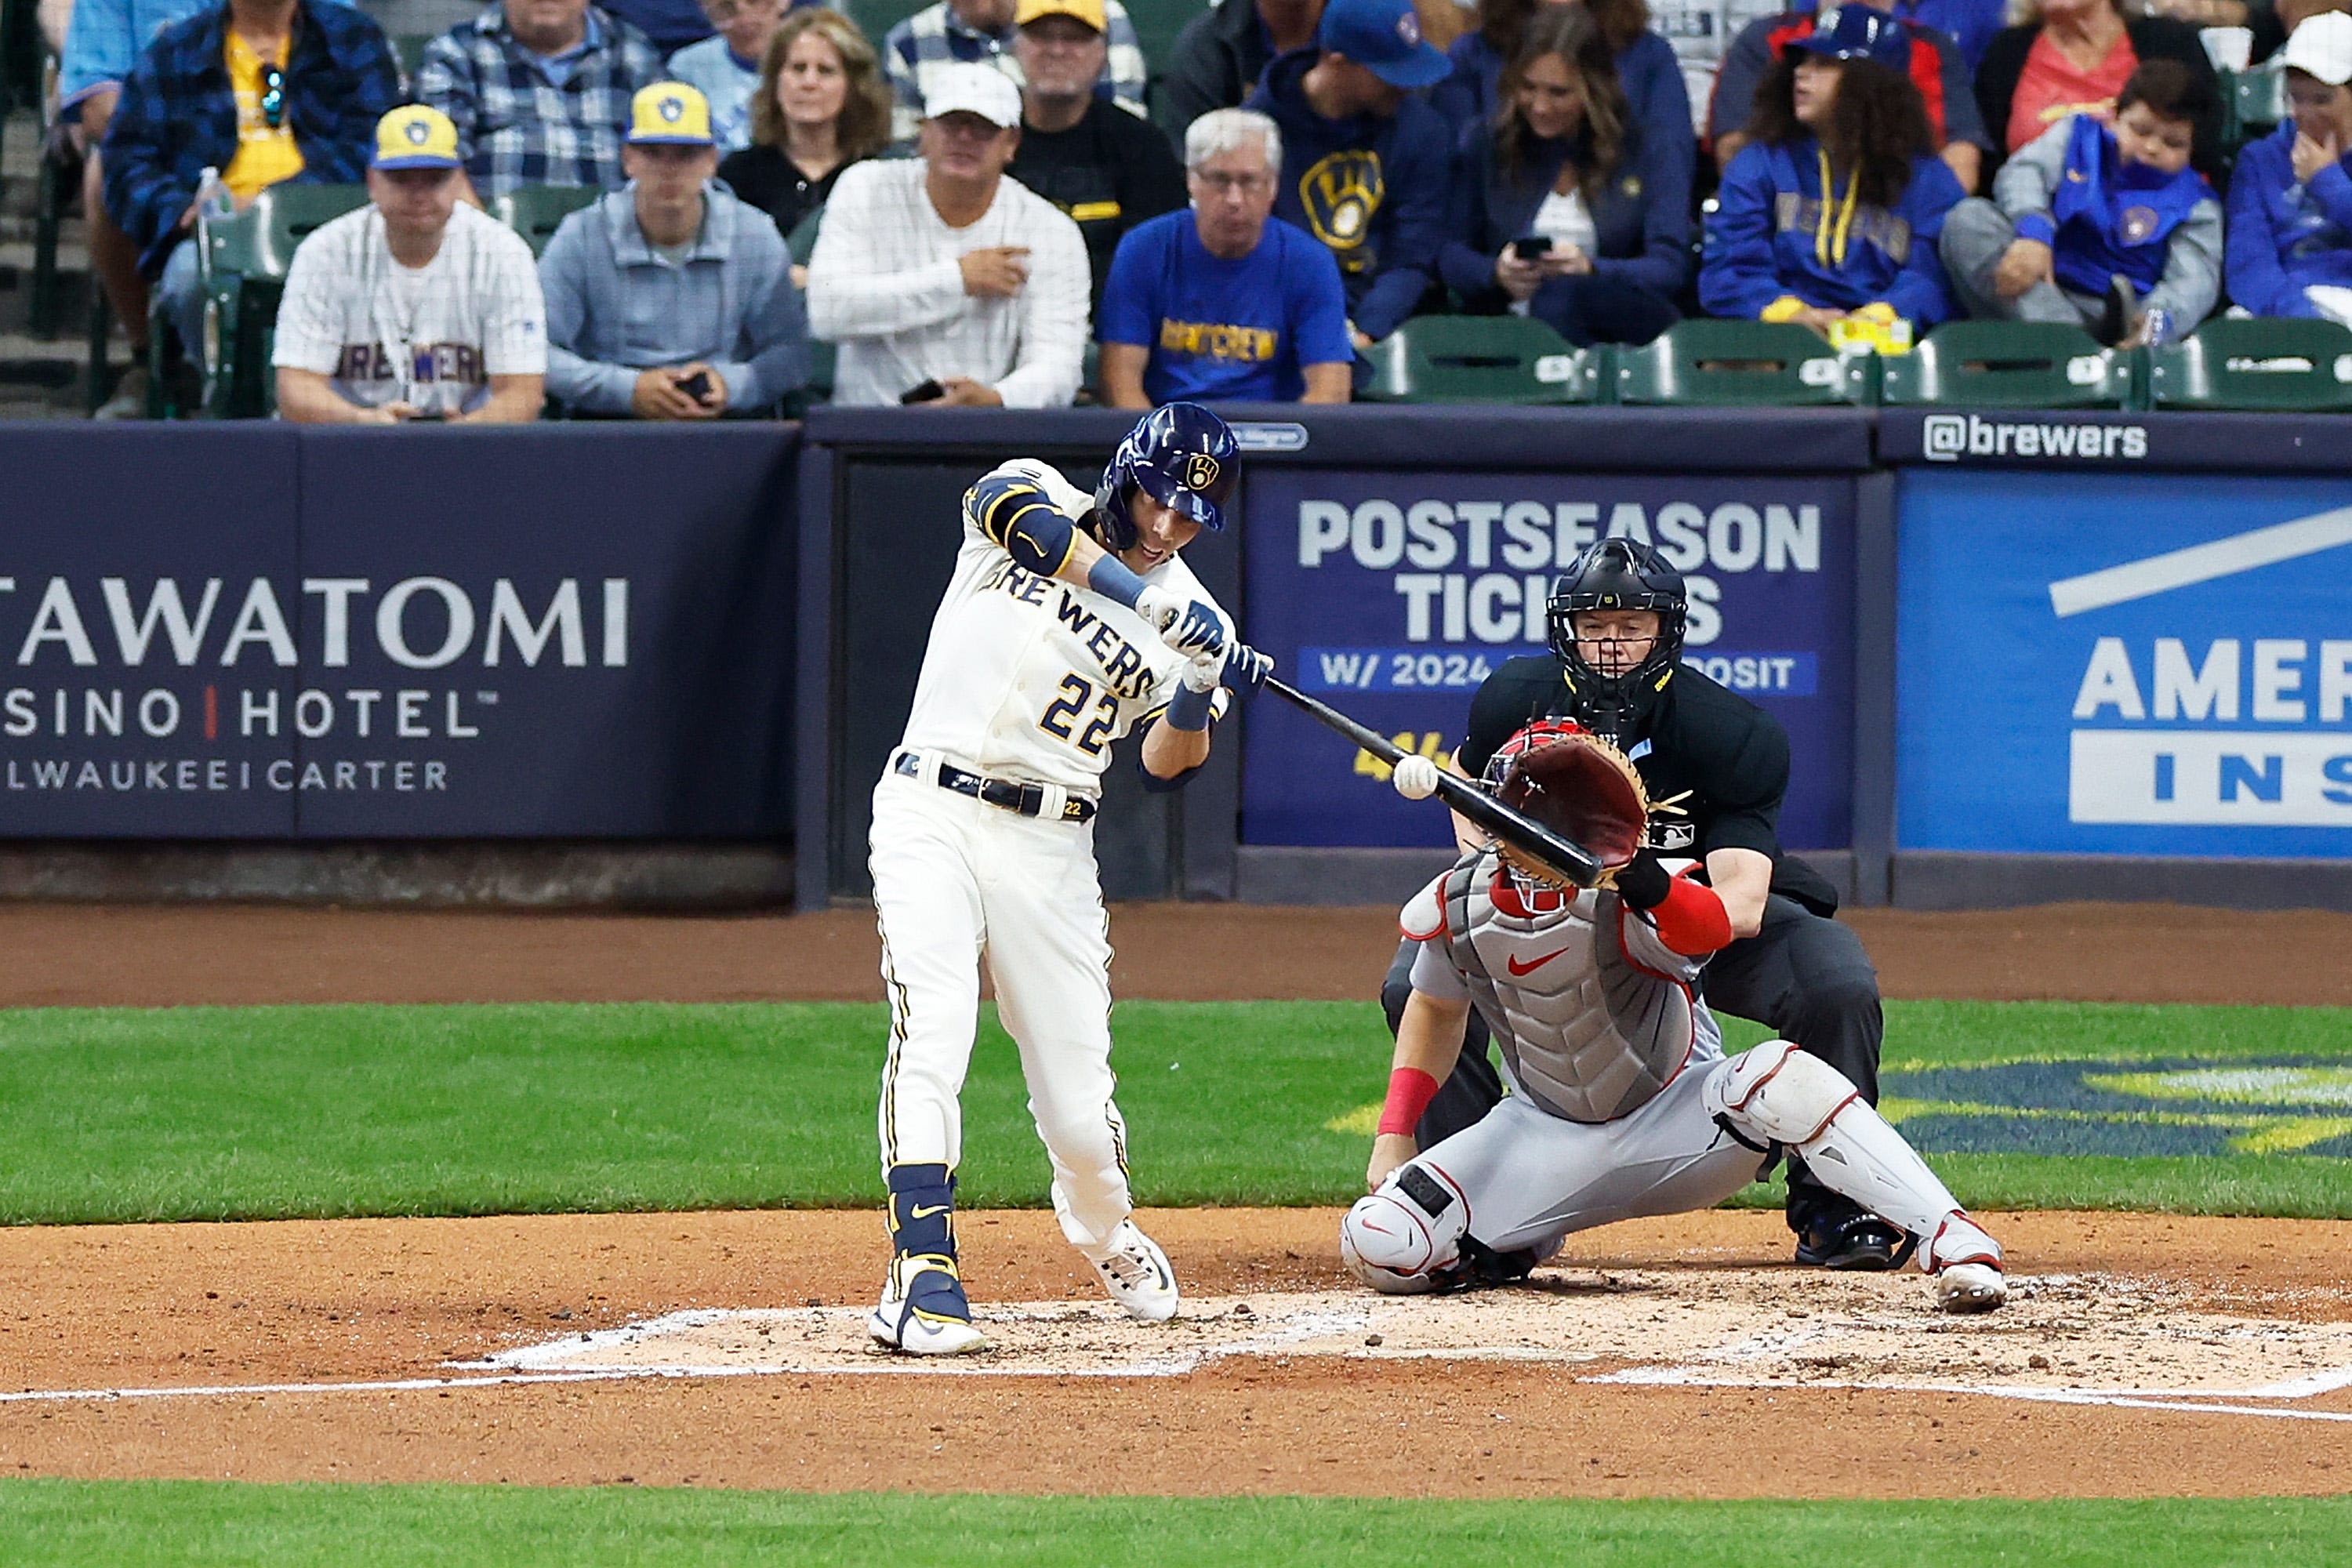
point(1570, 862)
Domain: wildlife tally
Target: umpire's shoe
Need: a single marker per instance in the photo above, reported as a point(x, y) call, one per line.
point(1834, 1232)
point(923, 1310)
point(1135, 1273)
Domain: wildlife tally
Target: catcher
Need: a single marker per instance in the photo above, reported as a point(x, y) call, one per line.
point(1621, 1101)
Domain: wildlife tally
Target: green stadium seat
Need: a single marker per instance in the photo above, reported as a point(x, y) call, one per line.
point(2257, 364)
point(1156, 23)
point(2008, 364)
point(536, 211)
point(1738, 365)
point(801, 241)
point(243, 266)
point(875, 18)
point(1479, 359)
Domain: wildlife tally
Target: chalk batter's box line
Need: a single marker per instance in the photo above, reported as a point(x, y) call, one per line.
point(1658, 1377)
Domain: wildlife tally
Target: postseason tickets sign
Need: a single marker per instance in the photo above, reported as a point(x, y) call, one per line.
point(1393, 595)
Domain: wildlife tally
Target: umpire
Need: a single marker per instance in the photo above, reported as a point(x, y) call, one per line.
point(1719, 767)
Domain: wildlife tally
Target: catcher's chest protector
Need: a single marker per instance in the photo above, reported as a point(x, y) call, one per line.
point(1588, 1034)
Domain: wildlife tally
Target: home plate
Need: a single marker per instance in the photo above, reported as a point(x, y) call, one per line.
point(2077, 1338)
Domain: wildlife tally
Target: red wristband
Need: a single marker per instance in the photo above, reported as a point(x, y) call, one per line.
point(1691, 917)
point(1410, 1092)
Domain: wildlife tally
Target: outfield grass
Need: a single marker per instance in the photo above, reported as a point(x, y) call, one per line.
point(186, 1113)
point(138, 1522)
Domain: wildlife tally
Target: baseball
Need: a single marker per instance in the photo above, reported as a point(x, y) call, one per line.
point(1415, 777)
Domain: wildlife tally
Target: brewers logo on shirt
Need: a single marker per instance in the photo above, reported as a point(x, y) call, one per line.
point(1341, 194)
point(2137, 224)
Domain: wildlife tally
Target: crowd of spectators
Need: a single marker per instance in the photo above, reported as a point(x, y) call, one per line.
point(962, 206)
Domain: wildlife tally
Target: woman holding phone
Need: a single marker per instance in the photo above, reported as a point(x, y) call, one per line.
point(1565, 209)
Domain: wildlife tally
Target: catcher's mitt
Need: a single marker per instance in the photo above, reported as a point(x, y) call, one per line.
point(1582, 788)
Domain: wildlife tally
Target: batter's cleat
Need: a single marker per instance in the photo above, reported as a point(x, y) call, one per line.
point(1848, 1240)
point(1970, 1287)
point(1135, 1273)
point(923, 1310)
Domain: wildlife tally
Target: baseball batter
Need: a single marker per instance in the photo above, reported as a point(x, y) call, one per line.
point(1621, 1101)
point(1070, 621)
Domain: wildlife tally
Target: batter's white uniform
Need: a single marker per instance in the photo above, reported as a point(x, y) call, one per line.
point(1028, 681)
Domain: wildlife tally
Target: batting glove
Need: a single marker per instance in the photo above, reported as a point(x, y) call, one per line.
point(1192, 627)
point(1240, 666)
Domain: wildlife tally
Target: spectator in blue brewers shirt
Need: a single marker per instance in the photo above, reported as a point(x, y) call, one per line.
point(540, 91)
point(263, 90)
point(2290, 245)
point(1835, 206)
point(670, 299)
point(1571, 166)
point(1224, 302)
point(1367, 160)
point(1646, 69)
point(2106, 229)
point(973, 32)
point(102, 42)
point(1927, 57)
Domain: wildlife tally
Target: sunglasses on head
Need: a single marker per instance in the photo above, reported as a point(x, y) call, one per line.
point(273, 96)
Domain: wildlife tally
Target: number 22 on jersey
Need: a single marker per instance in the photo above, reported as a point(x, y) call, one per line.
point(1061, 716)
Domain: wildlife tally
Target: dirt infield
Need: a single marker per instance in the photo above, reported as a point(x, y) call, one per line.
point(70, 955)
point(1662, 1358)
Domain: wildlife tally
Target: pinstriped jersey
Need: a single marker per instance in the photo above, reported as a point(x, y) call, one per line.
point(1594, 1012)
point(1027, 677)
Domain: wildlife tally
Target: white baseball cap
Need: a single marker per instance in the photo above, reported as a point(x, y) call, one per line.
point(981, 90)
point(2322, 48)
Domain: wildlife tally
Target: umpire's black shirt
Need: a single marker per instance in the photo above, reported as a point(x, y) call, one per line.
point(1719, 759)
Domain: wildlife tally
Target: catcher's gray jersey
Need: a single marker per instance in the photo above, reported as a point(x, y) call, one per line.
point(1594, 1013)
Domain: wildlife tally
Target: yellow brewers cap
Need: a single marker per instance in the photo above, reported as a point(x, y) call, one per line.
point(672, 112)
point(1090, 12)
point(415, 137)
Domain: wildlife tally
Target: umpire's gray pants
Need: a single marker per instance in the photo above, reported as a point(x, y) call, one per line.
point(1527, 1179)
point(1975, 234)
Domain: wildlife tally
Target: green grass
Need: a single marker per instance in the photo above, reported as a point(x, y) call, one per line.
point(136, 1522)
point(191, 1114)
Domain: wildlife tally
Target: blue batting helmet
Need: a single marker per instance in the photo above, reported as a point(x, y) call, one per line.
point(1182, 457)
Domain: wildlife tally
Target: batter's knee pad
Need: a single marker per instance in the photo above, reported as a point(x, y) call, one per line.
point(1779, 1093)
point(1404, 1239)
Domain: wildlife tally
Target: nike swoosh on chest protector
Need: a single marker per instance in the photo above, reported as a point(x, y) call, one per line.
point(1520, 971)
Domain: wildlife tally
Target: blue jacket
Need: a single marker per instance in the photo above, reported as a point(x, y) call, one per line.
point(1372, 189)
point(1640, 220)
point(2282, 235)
point(1773, 235)
point(1647, 68)
point(615, 307)
point(177, 115)
point(2107, 216)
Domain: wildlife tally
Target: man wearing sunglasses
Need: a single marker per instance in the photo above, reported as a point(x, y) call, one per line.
point(264, 91)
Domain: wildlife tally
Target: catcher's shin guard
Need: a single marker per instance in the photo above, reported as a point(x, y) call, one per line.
point(1405, 1240)
point(1779, 1094)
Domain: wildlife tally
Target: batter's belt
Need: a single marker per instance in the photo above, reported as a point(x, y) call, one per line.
point(1005, 794)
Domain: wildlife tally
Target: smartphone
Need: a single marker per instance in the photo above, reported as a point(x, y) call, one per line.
point(1535, 247)
point(696, 387)
point(926, 392)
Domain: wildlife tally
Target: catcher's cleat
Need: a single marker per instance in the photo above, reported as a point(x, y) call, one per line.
point(1137, 1274)
point(923, 1310)
point(1970, 1287)
point(1848, 1240)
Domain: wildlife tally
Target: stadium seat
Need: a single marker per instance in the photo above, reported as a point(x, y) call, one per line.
point(1738, 365)
point(2009, 364)
point(2257, 364)
point(243, 265)
point(875, 18)
point(1157, 23)
point(536, 211)
point(2252, 101)
point(1479, 359)
point(801, 241)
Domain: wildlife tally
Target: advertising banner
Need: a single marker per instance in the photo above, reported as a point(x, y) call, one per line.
point(335, 642)
point(2109, 664)
point(1392, 596)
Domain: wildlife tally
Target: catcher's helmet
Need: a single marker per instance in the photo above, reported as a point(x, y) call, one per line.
point(1534, 734)
point(1182, 457)
point(1617, 574)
